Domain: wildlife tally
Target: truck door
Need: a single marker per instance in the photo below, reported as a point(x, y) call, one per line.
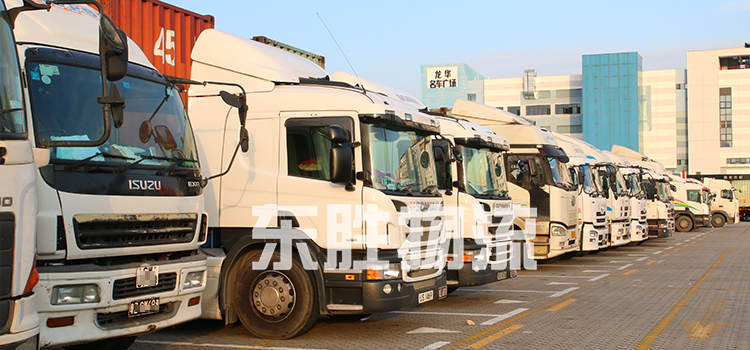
point(307, 197)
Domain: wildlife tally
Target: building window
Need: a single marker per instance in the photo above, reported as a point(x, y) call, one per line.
point(738, 160)
point(515, 110)
point(543, 94)
point(682, 162)
point(471, 97)
point(734, 62)
point(500, 108)
point(570, 108)
point(725, 116)
point(538, 110)
point(568, 93)
point(570, 129)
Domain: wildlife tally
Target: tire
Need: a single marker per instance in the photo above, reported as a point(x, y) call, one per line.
point(275, 304)
point(121, 343)
point(718, 220)
point(452, 289)
point(683, 223)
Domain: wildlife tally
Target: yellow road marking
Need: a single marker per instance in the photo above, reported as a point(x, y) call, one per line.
point(504, 323)
point(663, 255)
point(662, 325)
point(743, 232)
point(707, 325)
point(650, 262)
point(629, 272)
point(494, 337)
point(676, 249)
point(562, 305)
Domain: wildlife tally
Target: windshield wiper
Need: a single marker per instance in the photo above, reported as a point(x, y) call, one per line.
point(88, 159)
point(10, 110)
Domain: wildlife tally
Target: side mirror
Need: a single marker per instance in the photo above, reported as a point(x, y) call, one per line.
point(337, 134)
point(342, 160)
point(117, 105)
point(113, 49)
point(532, 166)
point(457, 155)
point(239, 102)
point(673, 188)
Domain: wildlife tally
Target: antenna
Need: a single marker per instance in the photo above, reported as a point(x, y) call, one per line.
point(342, 52)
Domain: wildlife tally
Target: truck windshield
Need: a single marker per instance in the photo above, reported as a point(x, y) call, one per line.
point(484, 172)
point(12, 117)
point(155, 130)
point(634, 182)
point(402, 161)
point(665, 193)
point(620, 187)
point(588, 182)
point(560, 177)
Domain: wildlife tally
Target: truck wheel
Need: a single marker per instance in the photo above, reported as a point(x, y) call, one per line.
point(121, 343)
point(718, 220)
point(452, 289)
point(274, 304)
point(683, 223)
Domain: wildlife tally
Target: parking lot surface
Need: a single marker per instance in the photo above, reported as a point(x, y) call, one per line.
point(688, 291)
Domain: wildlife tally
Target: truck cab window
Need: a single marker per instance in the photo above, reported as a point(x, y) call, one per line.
point(308, 146)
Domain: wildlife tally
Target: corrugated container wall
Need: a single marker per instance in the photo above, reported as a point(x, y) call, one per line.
point(164, 32)
point(744, 195)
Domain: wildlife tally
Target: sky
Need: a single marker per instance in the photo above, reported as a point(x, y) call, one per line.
point(387, 41)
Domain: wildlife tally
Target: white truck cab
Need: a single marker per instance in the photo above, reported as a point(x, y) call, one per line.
point(538, 181)
point(638, 208)
point(725, 207)
point(592, 200)
point(119, 207)
point(691, 209)
point(332, 206)
point(471, 176)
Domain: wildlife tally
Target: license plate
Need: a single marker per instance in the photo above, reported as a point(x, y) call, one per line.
point(426, 296)
point(513, 273)
point(147, 276)
point(143, 307)
point(502, 275)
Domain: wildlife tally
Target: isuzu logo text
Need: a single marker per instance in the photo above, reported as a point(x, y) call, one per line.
point(144, 185)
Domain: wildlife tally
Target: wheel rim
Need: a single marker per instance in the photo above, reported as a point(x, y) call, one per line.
point(273, 296)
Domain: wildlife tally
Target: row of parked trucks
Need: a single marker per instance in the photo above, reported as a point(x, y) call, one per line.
point(287, 194)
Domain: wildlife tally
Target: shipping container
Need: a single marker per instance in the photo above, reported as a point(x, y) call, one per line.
point(744, 196)
point(165, 33)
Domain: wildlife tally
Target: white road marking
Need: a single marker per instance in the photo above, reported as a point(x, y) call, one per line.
point(503, 317)
point(551, 276)
point(658, 252)
point(213, 345)
point(436, 345)
point(636, 254)
point(507, 290)
point(660, 261)
point(670, 247)
point(559, 283)
point(624, 267)
point(508, 301)
point(617, 262)
point(598, 277)
point(424, 330)
point(563, 292)
point(641, 259)
point(593, 271)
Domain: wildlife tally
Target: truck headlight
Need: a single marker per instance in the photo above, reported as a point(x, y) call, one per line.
point(473, 255)
point(75, 294)
point(193, 280)
point(558, 231)
point(384, 272)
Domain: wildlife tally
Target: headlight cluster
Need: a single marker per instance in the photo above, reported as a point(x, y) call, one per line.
point(558, 231)
point(193, 280)
point(383, 272)
point(473, 255)
point(75, 294)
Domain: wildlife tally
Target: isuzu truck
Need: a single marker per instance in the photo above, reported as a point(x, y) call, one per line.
point(592, 200)
point(332, 206)
point(638, 209)
point(120, 207)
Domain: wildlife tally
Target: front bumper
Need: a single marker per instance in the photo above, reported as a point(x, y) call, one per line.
point(659, 228)
point(703, 221)
point(619, 233)
point(402, 294)
point(592, 243)
point(638, 231)
point(109, 317)
point(20, 341)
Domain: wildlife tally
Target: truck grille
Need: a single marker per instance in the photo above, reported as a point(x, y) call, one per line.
point(113, 231)
point(7, 243)
point(125, 288)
